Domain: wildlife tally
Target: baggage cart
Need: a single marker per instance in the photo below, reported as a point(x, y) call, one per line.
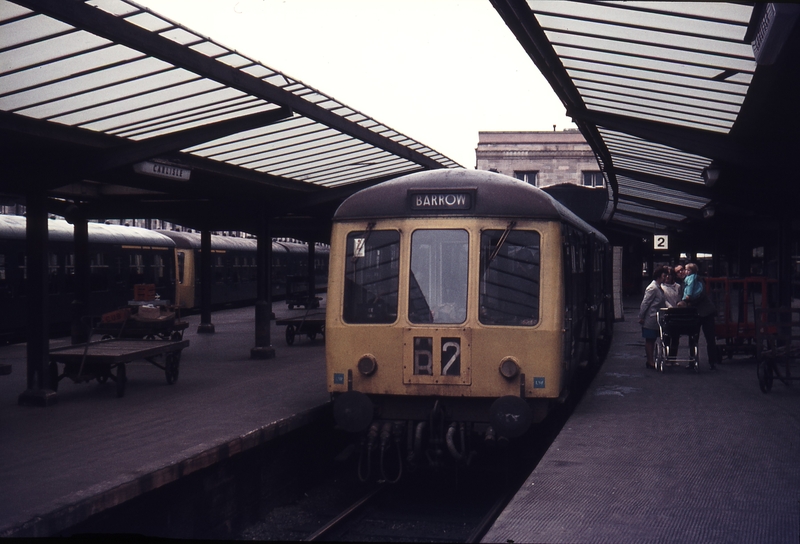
point(106, 359)
point(309, 324)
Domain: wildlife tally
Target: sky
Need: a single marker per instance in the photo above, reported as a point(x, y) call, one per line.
point(438, 71)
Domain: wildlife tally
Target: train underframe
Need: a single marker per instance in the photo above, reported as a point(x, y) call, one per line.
point(397, 433)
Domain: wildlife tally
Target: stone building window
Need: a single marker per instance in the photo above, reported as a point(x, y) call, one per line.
point(593, 179)
point(528, 176)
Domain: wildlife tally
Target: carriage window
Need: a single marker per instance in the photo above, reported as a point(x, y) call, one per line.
point(509, 283)
point(371, 277)
point(98, 272)
point(438, 278)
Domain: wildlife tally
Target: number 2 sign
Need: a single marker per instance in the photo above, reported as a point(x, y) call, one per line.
point(661, 241)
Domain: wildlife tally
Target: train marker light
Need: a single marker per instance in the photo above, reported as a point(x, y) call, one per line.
point(367, 365)
point(353, 411)
point(509, 368)
point(510, 416)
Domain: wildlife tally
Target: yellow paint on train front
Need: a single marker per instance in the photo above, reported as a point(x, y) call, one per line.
point(538, 349)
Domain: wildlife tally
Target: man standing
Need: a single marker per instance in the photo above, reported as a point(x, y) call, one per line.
point(695, 295)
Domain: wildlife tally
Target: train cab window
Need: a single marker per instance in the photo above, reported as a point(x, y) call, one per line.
point(371, 277)
point(438, 276)
point(509, 282)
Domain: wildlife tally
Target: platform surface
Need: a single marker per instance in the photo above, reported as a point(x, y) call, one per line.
point(666, 457)
point(91, 450)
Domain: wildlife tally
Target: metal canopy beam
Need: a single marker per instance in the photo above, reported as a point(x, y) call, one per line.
point(698, 142)
point(692, 213)
point(693, 189)
point(82, 15)
point(660, 221)
point(159, 145)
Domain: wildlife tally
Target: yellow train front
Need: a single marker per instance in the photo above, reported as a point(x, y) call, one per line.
point(460, 304)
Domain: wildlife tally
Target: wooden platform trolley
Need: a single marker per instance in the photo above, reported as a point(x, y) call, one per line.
point(309, 324)
point(106, 359)
point(777, 346)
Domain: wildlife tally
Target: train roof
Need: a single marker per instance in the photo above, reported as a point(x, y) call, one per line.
point(12, 227)
point(228, 243)
point(457, 192)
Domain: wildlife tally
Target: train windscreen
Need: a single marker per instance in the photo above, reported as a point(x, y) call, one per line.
point(371, 277)
point(509, 282)
point(438, 278)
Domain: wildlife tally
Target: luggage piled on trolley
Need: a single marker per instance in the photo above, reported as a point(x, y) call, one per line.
point(672, 324)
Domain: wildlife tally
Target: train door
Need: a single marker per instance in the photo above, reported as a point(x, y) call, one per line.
point(574, 281)
point(569, 307)
point(185, 280)
point(438, 343)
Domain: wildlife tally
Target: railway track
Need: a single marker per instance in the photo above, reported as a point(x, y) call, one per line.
point(427, 505)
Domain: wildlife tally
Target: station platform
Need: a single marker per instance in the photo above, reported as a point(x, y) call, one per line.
point(91, 450)
point(666, 457)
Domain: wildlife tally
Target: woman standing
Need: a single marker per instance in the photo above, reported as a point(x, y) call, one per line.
point(653, 300)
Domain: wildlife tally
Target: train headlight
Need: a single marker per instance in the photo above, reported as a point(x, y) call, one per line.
point(509, 368)
point(367, 365)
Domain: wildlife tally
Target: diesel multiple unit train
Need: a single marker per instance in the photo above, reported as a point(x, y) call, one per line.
point(461, 304)
point(122, 257)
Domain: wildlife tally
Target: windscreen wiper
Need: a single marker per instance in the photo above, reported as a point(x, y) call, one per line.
point(500, 242)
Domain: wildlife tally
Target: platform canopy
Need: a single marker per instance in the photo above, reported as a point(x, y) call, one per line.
point(690, 107)
point(124, 113)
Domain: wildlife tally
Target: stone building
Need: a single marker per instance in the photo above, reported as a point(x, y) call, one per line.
point(560, 163)
point(540, 158)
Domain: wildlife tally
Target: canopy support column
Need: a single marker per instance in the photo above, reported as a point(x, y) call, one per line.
point(80, 329)
point(263, 348)
point(312, 280)
point(39, 392)
point(206, 282)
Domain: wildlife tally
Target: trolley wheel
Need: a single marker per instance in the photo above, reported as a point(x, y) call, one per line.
point(106, 337)
point(150, 337)
point(290, 334)
point(694, 352)
point(176, 336)
point(122, 379)
point(764, 372)
point(659, 355)
point(171, 367)
point(54, 376)
point(312, 335)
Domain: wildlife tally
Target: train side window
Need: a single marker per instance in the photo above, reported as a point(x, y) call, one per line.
point(98, 273)
point(438, 276)
point(4, 289)
point(69, 273)
point(52, 273)
point(509, 282)
point(371, 277)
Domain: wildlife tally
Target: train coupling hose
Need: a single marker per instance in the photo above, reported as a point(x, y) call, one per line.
point(365, 457)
